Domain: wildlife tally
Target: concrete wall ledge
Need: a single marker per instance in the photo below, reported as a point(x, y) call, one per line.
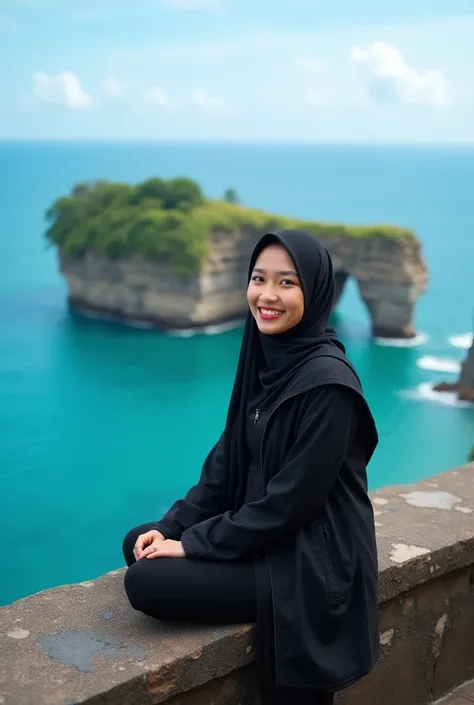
point(83, 643)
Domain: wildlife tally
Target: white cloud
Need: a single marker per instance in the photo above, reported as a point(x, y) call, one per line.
point(206, 102)
point(157, 96)
point(394, 78)
point(63, 89)
point(307, 65)
point(198, 5)
point(113, 87)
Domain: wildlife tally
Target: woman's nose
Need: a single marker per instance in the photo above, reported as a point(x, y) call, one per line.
point(268, 295)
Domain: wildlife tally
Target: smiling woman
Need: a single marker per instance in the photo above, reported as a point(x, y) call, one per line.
point(279, 529)
point(274, 292)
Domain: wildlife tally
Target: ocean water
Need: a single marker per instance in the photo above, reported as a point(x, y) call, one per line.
point(103, 426)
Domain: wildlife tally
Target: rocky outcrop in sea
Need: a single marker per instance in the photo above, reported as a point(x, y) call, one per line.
point(390, 273)
point(464, 386)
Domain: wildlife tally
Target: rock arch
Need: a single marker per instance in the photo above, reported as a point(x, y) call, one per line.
point(390, 274)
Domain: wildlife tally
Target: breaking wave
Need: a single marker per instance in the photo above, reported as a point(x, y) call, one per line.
point(439, 364)
point(420, 339)
point(464, 340)
point(207, 330)
point(425, 392)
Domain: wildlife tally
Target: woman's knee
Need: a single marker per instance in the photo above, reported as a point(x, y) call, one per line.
point(146, 591)
point(136, 586)
point(128, 545)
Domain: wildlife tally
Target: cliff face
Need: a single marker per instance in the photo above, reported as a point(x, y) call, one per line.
point(391, 275)
point(466, 379)
point(464, 387)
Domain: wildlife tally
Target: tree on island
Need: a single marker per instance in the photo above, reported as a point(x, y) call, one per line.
point(118, 220)
point(231, 196)
point(170, 220)
point(181, 194)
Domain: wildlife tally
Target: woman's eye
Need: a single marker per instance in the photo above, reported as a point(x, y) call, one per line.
point(288, 282)
point(256, 278)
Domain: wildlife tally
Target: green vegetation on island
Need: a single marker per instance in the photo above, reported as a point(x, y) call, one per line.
point(169, 220)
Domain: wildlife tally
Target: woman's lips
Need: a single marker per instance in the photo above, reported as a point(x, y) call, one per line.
point(270, 314)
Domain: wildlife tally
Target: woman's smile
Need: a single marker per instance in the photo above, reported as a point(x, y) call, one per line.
point(267, 314)
point(274, 292)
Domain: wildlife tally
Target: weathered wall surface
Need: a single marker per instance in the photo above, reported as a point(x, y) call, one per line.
point(84, 644)
point(390, 274)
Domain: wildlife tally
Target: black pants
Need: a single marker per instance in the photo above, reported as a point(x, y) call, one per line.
point(208, 593)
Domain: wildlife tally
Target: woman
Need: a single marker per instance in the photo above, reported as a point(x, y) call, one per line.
point(279, 529)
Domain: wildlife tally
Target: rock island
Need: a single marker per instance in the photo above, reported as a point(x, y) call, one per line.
point(161, 253)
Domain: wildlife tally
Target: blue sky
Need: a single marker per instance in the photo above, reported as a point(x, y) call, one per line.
point(351, 71)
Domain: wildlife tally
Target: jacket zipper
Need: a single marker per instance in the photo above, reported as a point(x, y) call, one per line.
point(257, 414)
point(331, 570)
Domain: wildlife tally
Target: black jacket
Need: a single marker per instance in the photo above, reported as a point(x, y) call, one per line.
point(312, 530)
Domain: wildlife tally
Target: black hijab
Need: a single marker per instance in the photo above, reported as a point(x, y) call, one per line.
point(272, 367)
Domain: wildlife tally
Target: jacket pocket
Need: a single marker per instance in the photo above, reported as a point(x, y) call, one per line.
point(330, 567)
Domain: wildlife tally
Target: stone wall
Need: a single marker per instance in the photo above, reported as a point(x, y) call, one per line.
point(390, 274)
point(84, 644)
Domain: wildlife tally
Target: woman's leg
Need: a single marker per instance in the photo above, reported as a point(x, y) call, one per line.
point(183, 589)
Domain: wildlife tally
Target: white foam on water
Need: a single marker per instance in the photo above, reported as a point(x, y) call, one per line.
point(206, 330)
point(185, 333)
point(223, 327)
point(94, 315)
point(108, 317)
point(145, 325)
point(463, 340)
point(148, 325)
point(439, 364)
point(420, 339)
point(425, 392)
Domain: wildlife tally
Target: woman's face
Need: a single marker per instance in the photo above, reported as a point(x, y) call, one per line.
point(274, 293)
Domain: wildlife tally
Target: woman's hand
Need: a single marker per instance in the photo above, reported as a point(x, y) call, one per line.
point(145, 540)
point(164, 549)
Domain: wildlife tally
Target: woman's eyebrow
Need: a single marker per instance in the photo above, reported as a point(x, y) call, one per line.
point(284, 272)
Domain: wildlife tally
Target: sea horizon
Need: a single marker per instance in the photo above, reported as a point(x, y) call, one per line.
point(248, 141)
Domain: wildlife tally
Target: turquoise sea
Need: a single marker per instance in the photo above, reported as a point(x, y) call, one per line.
point(102, 426)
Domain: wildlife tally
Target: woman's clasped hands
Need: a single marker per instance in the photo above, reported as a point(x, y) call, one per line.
point(153, 544)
